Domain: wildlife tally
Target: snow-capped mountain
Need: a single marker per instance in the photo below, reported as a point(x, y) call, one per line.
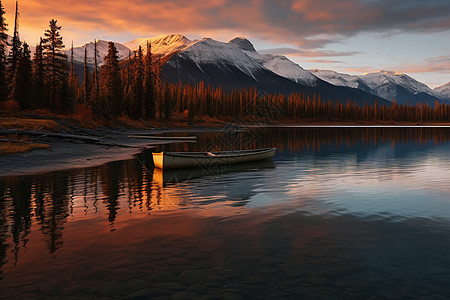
point(102, 50)
point(162, 45)
point(221, 64)
point(340, 79)
point(444, 90)
point(381, 80)
point(386, 84)
point(236, 64)
point(277, 63)
point(209, 51)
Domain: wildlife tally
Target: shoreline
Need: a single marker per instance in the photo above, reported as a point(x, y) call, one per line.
point(65, 155)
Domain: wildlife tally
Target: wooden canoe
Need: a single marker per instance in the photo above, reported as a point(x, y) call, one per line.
point(174, 160)
point(154, 137)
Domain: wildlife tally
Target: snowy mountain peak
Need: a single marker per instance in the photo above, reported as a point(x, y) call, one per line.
point(340, 79)
point(170, 39)
point(389, 85)
point(102, 50)
point(444, 90)
point(243, 43)
point(208, 50)
point(162, 45)
point(385, 72)
point(278, 64)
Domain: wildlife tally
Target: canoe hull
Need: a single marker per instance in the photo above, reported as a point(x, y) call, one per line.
point(175, 160)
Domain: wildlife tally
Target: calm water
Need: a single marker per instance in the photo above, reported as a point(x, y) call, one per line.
point(340, 213)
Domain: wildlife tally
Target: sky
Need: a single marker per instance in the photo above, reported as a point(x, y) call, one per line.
point(349, 36)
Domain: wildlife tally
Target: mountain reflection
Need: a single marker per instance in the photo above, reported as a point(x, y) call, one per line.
point(47, 202)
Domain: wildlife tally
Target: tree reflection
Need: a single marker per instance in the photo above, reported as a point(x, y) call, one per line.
point(20, 195)
point(52, 207)
point(43, 202)
point(3, 224)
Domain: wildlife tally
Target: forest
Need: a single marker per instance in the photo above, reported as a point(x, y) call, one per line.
point(135, 88)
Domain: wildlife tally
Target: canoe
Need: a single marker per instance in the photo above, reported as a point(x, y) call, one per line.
point(175, 160)
point(154, 137)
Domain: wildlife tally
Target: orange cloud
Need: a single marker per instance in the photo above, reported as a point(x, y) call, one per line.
point(439, 64)
point(298, 22)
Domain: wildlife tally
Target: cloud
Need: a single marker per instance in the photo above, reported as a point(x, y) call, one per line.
point(324, 61)
point(431, 66)
point(439, 64)
point(304, 23)
point(307, 53)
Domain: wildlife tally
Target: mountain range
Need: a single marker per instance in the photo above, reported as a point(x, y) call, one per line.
point(386, 84)
point(236, 64)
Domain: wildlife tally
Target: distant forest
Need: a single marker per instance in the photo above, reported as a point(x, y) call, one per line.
point(135, 88)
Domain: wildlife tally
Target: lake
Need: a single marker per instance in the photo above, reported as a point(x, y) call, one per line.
point(340, 213)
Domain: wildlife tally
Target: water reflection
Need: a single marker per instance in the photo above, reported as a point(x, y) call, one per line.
point(338, 174)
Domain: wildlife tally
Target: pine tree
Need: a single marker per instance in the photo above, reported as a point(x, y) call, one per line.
point(15, 48)
point(95, 88)
point(125, 74)
point(74, 85)
point(111, 85)
point(159, 89)
point(3, 45)
point(148, 96)
point(39, 92)
point(86, 79)
point(22, 80)
point(137, 85)
point(56, 69)
point(167, 102)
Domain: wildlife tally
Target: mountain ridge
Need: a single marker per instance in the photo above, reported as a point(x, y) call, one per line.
point(390, 85)
point(443, 89)
point(237, 64)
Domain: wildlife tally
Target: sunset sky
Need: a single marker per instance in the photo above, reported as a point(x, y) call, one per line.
point(350, 36)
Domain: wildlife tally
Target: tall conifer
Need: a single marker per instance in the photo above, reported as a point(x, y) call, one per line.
point(111, 85)
point(3, 46)
point(74, 85)
point(56, 69)
point(167, 102)
point(95, 88)
point(86, 79)
point(148, 96)
point(15, 48)
point(137, 84)
point(22, 80)
point(38, 76)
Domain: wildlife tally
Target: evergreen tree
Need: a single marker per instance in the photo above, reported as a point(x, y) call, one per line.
point(159, 89)
point(167, 102)
point(148, 96)
point(74, 86)
point(137, 85)
point(111, 85)
point(86, 79)
point(3, 45)
point(56, 69)
point(125, 74)
point(95, 88)
point(22, 80)
point(38, 75)
point(15, 48)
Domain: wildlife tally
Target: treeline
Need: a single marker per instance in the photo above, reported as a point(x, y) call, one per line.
point(134, 88)
point(248, 104)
